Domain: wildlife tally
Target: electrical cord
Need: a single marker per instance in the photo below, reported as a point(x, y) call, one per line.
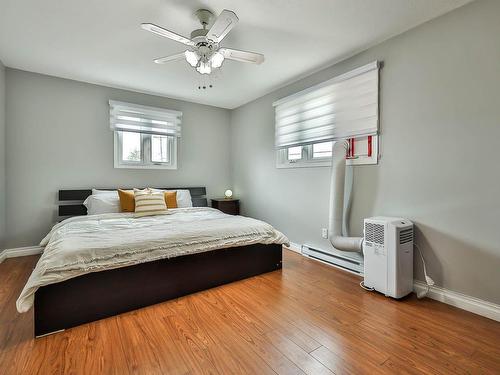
point(362, 285)
point(428, 280)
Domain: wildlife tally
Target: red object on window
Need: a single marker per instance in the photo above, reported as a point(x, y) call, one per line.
point(369, 145)
point(352, 147)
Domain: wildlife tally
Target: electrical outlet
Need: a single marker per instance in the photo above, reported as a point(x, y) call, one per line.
point(324, 232)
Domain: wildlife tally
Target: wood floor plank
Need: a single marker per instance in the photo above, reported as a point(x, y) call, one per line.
point(487, 358)
point(342, 366)
point(307, 318)
point(253, 354)
point(228, 319)
point(426, 350)
point(296, 354)
point(218, 352)
point(277, 321)
point(147, 345)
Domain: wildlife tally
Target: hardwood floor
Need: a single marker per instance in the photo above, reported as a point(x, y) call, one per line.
point(308, 318)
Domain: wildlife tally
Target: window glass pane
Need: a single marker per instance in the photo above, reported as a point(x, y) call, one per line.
point(295, 153)
point(322, 150)
point(159, 149)
point(131, 146)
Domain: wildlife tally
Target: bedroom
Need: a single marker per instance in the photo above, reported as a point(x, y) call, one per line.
point(225, 298)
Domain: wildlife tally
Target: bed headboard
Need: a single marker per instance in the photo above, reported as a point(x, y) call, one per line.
point(71, 201)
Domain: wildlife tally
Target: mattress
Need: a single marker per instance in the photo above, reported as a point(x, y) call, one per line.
point(93, 243)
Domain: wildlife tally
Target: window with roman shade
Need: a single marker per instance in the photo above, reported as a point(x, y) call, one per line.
point(145, 137)
point(344, 107)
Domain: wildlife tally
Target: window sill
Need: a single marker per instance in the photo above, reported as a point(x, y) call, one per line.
point(153, 166)
point(305, 164)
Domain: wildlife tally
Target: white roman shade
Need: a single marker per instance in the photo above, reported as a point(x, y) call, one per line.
point(343, 107)
point(137, 118)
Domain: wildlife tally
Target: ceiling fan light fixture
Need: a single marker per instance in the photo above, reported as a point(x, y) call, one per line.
point(192, 57)
point(217, 59)
point(204, 68)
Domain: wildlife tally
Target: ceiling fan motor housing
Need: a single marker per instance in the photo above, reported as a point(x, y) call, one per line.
point(205, 16)
point(203, 46)
point(199, 33)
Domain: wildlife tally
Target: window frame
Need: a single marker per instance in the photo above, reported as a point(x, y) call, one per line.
point(146, 162)
point(306, 161)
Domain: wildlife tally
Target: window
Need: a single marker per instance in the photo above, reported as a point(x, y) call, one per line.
point(131, 147)
point(314, 155)
point(136, 150)
point(294, 153)
point(144, 137)
point(345, 107)
point(322, 150)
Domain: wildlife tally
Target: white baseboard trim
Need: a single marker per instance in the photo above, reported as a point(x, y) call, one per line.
point(462, 301)
point(20, 252)
point(295, 247)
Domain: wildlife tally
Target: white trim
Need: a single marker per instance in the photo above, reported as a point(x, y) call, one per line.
point(119, 164)
point(462, 301)
point(307, 160)
point(20, 252)
point(294, 247)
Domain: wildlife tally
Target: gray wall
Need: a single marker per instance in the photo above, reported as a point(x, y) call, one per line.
point(2, 156)
point(440, 122)
point(58, 137)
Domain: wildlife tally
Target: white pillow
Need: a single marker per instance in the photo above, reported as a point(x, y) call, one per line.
point(102, 204)
point(183, 197)
point(99, 192)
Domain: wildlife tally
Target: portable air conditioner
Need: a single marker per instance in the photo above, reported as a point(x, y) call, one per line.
point(388, 255)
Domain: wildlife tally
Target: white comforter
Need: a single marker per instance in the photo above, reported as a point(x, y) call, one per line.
point(85, 244)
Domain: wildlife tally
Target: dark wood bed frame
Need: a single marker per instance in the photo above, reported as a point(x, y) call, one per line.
point(102, 294)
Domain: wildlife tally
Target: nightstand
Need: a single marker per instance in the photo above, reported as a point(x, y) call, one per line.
point(228, 206)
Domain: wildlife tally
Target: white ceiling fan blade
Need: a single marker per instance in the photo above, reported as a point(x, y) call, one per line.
point(151, 27)
point(242, 56)
point(222, 25)
point(163, 60)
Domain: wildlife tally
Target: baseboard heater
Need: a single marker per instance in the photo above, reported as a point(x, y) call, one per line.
point(336, 260)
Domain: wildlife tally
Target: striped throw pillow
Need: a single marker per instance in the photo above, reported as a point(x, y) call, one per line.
point(148, 203)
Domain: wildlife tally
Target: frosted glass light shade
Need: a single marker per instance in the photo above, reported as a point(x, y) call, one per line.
point(228, 194)
point(217, 59)
point(192, 58)
point(204, 68)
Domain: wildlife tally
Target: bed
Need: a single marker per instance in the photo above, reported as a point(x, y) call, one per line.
point(96, 266)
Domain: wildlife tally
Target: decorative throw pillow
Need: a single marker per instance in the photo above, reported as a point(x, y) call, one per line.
point(171, 199)
point(183, 197)
point(148, 203)
point(127, 200)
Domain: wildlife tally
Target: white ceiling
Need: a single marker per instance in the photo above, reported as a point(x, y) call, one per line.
point(100, 41)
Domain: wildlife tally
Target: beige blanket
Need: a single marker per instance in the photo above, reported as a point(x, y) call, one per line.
point(92, 243)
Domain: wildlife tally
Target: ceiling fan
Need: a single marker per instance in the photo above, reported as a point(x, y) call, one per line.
point(204, 53)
